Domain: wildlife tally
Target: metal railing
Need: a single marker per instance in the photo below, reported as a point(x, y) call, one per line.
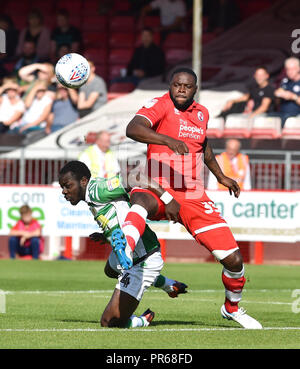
point(270, 170)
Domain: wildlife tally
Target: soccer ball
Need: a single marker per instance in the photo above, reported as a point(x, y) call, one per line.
point(72, 70)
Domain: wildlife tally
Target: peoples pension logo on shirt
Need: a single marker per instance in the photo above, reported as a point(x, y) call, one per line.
point(187, 131)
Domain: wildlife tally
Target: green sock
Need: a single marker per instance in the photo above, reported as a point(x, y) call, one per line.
point(160, 281)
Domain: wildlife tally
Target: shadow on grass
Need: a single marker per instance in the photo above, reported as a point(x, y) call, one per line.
point(188, 324)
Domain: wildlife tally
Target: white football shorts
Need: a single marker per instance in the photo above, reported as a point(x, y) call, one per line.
point(136, 280)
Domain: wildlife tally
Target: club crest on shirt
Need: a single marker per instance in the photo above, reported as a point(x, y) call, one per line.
point(200, 116)
point(296, 88)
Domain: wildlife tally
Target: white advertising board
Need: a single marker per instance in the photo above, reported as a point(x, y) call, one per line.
point(254, 216)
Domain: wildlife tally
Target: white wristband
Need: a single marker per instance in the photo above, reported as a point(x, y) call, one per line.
point(166, 197)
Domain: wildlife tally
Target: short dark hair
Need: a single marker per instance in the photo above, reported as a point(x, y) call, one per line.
point(147, 29)
point(64, 12)
point(77, 168)
point(184, 70)
point(262, 67)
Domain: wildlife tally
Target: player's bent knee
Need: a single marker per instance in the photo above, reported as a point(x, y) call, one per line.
point(233, 262)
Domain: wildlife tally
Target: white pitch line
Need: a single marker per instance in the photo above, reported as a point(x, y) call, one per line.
point(37, 292)
point(118, 330)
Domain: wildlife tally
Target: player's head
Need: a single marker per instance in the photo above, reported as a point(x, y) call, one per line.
point(183, 87)
point(73, 179)
point(103, 141)
point(233, 147)
point(261, 75)
point(26, 214)
point(292, 68)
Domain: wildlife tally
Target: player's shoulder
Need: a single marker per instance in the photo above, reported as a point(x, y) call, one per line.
point(157, 101)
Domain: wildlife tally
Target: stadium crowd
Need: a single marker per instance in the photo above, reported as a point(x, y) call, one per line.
point(32, 100)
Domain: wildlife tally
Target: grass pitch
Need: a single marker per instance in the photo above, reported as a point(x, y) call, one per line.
point(58, 304)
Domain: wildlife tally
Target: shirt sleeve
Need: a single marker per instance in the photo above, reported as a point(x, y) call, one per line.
point(153, 110)
point(106, 190)
point(269, 92)
point(17, 226)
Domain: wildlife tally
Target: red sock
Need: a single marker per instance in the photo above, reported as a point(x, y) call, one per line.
point(233, 283)
point(134, 225)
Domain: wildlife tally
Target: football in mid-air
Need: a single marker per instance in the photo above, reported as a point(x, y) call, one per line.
point(72, 70)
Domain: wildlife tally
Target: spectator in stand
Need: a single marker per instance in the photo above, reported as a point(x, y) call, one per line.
point(62, 50)
point(172, 15)
point(11, 105)
point(11, 36)
point(258, 99)
point(28, 57)
point(38, 107)
point(93, 94)
point(234, 165)
point(26, 236)
point(33, 73)
point(148, 60)
point(98, 157)
point(289, 91)
point(64, 110)
point(38, 33)
point(64, 34)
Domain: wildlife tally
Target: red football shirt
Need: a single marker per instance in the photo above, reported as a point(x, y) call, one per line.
point(181, 173)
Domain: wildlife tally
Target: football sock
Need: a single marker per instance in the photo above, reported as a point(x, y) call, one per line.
point(233, 283)
point(164, 283)
point(137, 321)
point(134, 225)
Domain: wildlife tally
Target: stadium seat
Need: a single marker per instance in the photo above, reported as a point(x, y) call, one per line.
point(237, 125)
point(94, 23)
point(75, 20)
point(98, 56)
point(90, 138)
point(45, 7)
point(20, 20)
point(215, 128)
point(102, 71)
point(118, 56)
point(121, 87)
point(72, 6)
point(121, 39)
point(121, 6)
point(178, 40)
point(266, 127)
point(152, 21)
point(94, 39)
point(91, 7)
point(114, 70)
point(208, 36)
point(174, 56)
point(50, 20)
point(291, 128)
point(16, 7)
point(125, 23)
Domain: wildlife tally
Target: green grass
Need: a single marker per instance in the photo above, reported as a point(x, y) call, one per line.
point(58, 304)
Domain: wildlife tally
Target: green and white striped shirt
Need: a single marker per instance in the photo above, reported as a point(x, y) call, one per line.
point(109, 203)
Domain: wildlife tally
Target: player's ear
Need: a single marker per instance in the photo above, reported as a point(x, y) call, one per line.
point(84, 181)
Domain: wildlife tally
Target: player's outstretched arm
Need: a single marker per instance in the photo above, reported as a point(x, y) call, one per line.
point(139, 129)
point(213, 166)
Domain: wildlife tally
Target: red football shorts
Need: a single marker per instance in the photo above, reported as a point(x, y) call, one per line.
point(202, 220)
